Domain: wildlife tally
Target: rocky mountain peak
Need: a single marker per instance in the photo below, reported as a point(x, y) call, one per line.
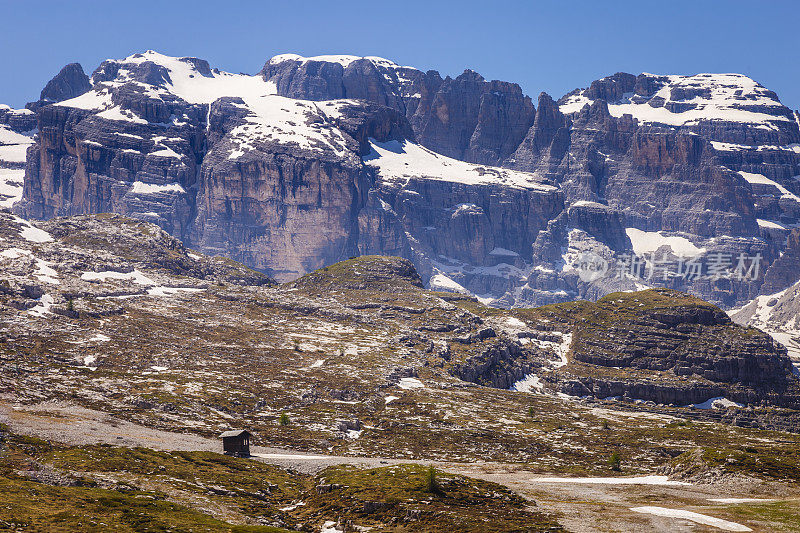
point(470, 75)
point(684, 100)
point(611, 88)
point(344, 60)
point(69, 83)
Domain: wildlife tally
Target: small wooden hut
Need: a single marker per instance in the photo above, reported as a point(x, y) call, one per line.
point(236, 443)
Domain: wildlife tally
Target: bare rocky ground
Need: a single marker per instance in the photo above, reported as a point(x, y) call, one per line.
point(112, 332)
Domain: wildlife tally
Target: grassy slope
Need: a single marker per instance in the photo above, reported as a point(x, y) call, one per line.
point(99, 488)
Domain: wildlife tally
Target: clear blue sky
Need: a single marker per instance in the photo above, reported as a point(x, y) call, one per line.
point(552, 46)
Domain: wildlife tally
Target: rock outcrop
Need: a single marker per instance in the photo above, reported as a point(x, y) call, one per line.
point(670, 348)
point(466, 117)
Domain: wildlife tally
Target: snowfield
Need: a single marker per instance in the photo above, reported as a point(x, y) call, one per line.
point(135, 276)
point(760, 179)
point(410, 383)
point(646, 242)
point(150, 188)
point(31, 233)
point(692, 517)
point(401, 161)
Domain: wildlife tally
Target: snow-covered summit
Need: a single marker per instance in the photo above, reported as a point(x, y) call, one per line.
point(268, 117)
point(343, 59)
point(188, 78)
point(683, 100)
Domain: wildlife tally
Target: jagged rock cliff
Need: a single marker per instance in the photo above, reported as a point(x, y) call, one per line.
point(17, 127)
point(466, 118)
point(670, 348)
point(317, 159)
point(778, 314)
point(284, 185)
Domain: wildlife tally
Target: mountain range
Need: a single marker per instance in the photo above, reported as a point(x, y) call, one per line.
point(314, 160)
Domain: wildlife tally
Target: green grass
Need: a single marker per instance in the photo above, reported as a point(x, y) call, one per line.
point(122, 489)
point(109, 488)
point(775, 462)
point(31, 506)
point(460, 504)
point(776, 516)
point(373, 273)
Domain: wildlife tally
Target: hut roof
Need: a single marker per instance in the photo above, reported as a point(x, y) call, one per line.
point(234, 433)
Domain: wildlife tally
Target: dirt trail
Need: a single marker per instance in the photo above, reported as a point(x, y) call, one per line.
point(582, 507)
point(79, 426)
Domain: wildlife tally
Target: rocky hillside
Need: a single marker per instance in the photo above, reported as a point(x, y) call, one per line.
point(671, 348)
point(116, 313)
point(685, 182)
point(113, 331)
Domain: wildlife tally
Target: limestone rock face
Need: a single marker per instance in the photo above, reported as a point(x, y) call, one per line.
point(782, 273)
point(277, 210)
point(317, 159)
point(707, 157)
point(17, 129)
point(465, 118)
point(475, 120)
point(320, 78)
point(672, 339)
point(17, 120)
point(85, 163)
point(284, 185)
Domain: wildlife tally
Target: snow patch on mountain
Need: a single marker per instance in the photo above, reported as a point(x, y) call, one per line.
point(440, 282)
point(760, 179)
point(11, 184)
point(31, 233)
point(286, 121)
point(404, 160)
point(43, 306)
point(135, 276)
point(196, 87)
point(646, 242)
point(13, 149)
point(150, 188)
point(697, 518)
point(777, 314)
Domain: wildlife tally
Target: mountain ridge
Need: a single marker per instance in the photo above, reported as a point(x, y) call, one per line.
point(724, 183)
